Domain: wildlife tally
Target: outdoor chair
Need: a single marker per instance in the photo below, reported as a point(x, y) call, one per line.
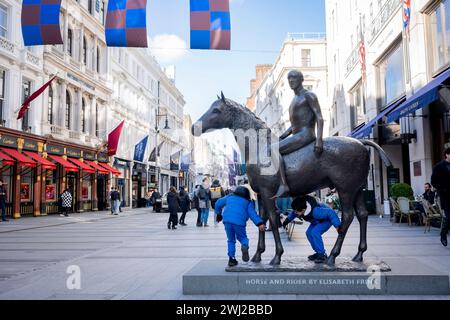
point(395, 208)
point(290, 228)
point(406, 210)
point(431, 214)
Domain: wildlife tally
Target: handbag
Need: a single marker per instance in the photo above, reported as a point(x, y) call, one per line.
point(202, 204)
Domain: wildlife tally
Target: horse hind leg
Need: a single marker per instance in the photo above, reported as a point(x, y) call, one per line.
point(262, 235)
point(347, 200)
point(362, 215)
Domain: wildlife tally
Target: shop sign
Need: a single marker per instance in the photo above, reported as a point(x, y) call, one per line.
point(139, 167)
point(52, 149)
point(73, 153)
point(8, 141)
point(30, 145)
point(120, 163)
point(89, 156)
point(102, 157)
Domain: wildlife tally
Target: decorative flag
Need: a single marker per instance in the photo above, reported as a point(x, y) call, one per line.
point(126, 24)
point(139, 150)
point(113, 139)
point(210, 24)
point(362, 53)
point(175, 161)
point(26, 105)
point(185, 162)
point(406, 14)
point(40, 22)
point(152, 157)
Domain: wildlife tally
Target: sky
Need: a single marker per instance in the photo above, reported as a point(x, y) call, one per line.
point(258, 29)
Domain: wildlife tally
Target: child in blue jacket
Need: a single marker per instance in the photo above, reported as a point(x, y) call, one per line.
point(321, 217)
point(237, 209)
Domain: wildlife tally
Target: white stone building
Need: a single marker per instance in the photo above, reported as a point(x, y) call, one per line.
point(304, 52)
point(397, 67)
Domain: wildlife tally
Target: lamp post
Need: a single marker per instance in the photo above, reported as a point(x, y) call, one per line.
point(166, 127)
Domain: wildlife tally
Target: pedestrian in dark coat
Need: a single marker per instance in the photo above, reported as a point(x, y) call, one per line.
point(173, 202)
point(441, 181)
point(197, 206)
point(185, 205)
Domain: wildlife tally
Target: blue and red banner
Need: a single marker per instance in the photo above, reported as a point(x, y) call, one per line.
point(210, 24)
point(406, 14)
point(126, 24)
point(40, 22)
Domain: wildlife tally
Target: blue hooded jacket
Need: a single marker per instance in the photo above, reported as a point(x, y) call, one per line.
point(320, 214)
point(237, 210)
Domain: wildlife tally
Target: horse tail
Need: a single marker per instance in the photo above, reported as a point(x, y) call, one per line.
point(380, 151)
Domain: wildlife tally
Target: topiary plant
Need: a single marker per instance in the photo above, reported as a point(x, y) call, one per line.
point(402, 190)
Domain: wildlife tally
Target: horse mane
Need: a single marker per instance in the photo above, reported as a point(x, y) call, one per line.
point(260, 124)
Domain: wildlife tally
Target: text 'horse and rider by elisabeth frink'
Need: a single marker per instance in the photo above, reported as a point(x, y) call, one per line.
point(299, 164)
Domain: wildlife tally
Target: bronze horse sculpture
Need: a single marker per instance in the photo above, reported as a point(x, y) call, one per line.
point(344, 164)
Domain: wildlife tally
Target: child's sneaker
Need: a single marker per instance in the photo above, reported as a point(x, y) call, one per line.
point(313, 257)
point(245, 255)
point(232, 262)
point(322, 258)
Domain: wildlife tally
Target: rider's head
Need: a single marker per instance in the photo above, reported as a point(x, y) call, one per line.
point(295, 79)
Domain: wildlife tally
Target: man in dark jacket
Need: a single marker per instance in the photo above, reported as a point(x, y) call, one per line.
point(185, 205)
point(155, 195)
point(441, 181)
point(321, 217)
point(173, 202)
point(3, 201)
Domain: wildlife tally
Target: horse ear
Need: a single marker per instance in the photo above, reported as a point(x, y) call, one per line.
point(218, 97)
point(223, 97)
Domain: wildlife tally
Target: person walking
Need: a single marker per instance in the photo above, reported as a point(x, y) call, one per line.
point(3, 201)
point(441, 182)
point(66, 202)
point(185, 204)
point(111, 199)
point(147, 197)
point(204, 201)
point(197, 205)
point(216, 192)
point(173, 202)
point(155, 196)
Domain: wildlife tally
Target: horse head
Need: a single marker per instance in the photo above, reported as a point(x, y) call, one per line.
point(219, 116)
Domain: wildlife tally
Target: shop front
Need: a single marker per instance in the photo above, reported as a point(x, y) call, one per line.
point(139, 184)
point(122, 180)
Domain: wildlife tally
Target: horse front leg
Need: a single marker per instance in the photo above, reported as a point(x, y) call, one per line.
point(262, 235)
point(347, 219)
point(270, 207)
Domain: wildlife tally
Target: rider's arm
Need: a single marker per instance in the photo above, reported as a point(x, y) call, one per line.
point(315, 106)
point(286, 134)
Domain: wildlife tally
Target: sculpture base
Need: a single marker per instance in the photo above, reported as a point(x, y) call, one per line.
point(408, 276)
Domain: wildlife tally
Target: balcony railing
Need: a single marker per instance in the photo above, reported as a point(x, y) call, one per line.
point(7, 46)
point(383, 17)
point(306, 36)
point(352, 60)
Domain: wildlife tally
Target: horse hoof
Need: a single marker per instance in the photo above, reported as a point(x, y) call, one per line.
point(358, 258)
point(331, 261)
point(275, 261)
point(256, 258)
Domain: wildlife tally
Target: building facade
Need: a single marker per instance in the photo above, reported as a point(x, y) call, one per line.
point(304, 52)
point(399, 63)
point(261, 71)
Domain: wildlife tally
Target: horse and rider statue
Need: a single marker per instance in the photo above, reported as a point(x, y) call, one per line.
point(301, 162)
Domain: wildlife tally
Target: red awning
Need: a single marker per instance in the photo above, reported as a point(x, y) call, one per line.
point(66, 164)
point(113, 170)
point(7, 161)
point(99, 169)
point(41, 161)
point(21, 159)
point(83, 166)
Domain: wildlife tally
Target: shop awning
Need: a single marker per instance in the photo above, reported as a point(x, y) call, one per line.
point(366, 130)
point(41, 161)
point(83, 166)
point(99, 169)
point(7, 161)
point(20, 158)
point(66, 164)
point(422, 98)
point(113, 170)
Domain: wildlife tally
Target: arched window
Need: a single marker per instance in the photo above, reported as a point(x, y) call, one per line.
point(83, 116)
point(69, 41)
point(84, 51)
point(50, 105)
point(96, 120)
point(68, 110)
point(98, 59)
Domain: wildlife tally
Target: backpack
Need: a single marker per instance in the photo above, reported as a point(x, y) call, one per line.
point(216, 193)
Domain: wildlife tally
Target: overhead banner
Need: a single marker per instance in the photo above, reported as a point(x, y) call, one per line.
point(40, 22)
point(139, 150)
point(126, 24)
point(113, 139)
point(175, 161)
point(210, 24)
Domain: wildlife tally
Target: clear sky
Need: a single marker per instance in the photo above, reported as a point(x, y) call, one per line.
point(258, 28)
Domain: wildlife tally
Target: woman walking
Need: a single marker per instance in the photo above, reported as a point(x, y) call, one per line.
point(185, 204)
point(66, 202)
point(173, 202)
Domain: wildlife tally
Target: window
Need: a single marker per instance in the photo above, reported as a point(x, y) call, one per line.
point(102, 12)
point(98, 59)
point(84, 51)
point(3, 21)
point(50, 105)
point(26, 91)
point(2, 95)
point(91, 6)
point(358, 112)
point(440, 35)
point(69, 41)
point(96, 120)
point(68, 110)
point(306, 58)
point(392, 79)
point(83, 116)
